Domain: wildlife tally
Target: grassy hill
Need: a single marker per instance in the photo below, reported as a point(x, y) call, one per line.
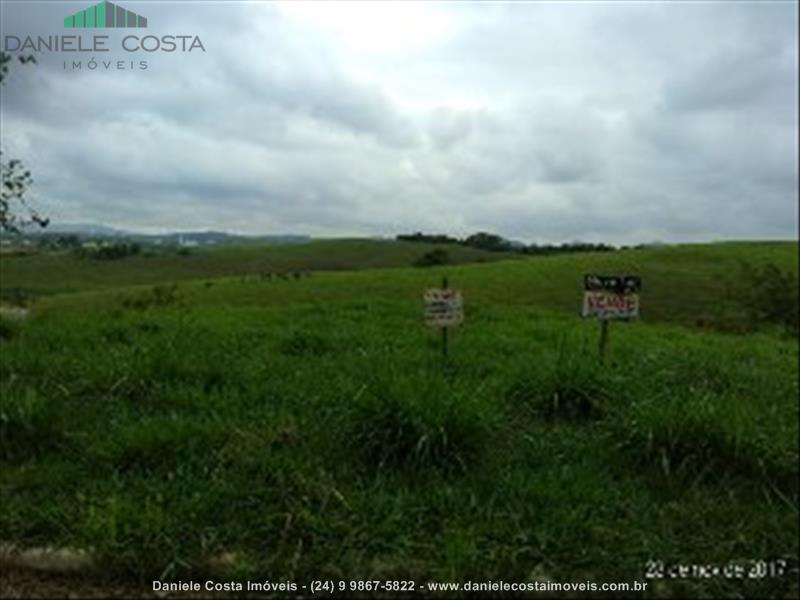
point(309, 429)
point(49, 272)
point(695, 285)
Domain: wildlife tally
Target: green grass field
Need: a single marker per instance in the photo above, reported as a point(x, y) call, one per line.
point(49, 273)
point(309, 429)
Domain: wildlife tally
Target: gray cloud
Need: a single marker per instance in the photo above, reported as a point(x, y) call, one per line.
point(600, 122)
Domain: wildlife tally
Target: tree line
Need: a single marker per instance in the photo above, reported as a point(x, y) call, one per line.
point(496, 243)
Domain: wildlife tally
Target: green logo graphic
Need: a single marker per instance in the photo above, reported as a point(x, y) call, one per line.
point(105, 14)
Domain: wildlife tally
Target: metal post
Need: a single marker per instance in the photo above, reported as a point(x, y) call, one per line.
point(603, 339)
point(444, 329)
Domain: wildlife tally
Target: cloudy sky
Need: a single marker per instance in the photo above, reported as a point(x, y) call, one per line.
point(546, 122)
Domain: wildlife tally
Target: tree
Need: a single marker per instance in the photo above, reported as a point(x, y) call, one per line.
point(488, 241)
point(438, 256)
point(15, 178)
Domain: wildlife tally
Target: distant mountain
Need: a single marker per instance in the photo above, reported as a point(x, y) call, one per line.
point(81, 229)
point(172, 238)
point(203, 238)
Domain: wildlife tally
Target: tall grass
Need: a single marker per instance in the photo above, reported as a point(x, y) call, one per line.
point(419, 423)
point(316, 433)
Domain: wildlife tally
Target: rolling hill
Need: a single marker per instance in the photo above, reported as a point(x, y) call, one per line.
point(233, 426)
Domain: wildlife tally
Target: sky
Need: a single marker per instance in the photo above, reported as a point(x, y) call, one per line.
point(618, 122)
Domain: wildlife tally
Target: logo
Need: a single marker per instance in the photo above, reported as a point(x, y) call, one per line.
point(107, 50)
point(104, 14)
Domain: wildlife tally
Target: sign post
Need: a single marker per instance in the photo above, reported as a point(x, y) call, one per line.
point(610, 298)
point(444, 329)
point(603, 339)
point(444, 308)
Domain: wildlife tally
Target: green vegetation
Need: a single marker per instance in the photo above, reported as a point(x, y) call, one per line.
point(492, 242)
point(433, 258)
point(309, 427)
point(15, 178)
point(57, 272)
point(705, 286)
point(113, 251)
point(772, 296)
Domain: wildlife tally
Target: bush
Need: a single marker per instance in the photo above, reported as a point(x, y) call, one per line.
point(114, 251)
point(428, 238)
point(488, 241)
point(771, 296)
point(433, 258)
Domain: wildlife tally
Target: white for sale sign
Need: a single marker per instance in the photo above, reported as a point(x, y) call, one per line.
point(444, 307)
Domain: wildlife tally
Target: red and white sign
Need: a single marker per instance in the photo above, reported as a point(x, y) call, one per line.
point(604, 304)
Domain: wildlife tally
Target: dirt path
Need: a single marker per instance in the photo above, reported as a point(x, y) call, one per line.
point(18, 583)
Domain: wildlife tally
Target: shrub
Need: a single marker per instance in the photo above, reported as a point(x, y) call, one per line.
point(488, 241)
point(771, 296)
point(433, 258)
point(115, 251)
point(428, 238)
